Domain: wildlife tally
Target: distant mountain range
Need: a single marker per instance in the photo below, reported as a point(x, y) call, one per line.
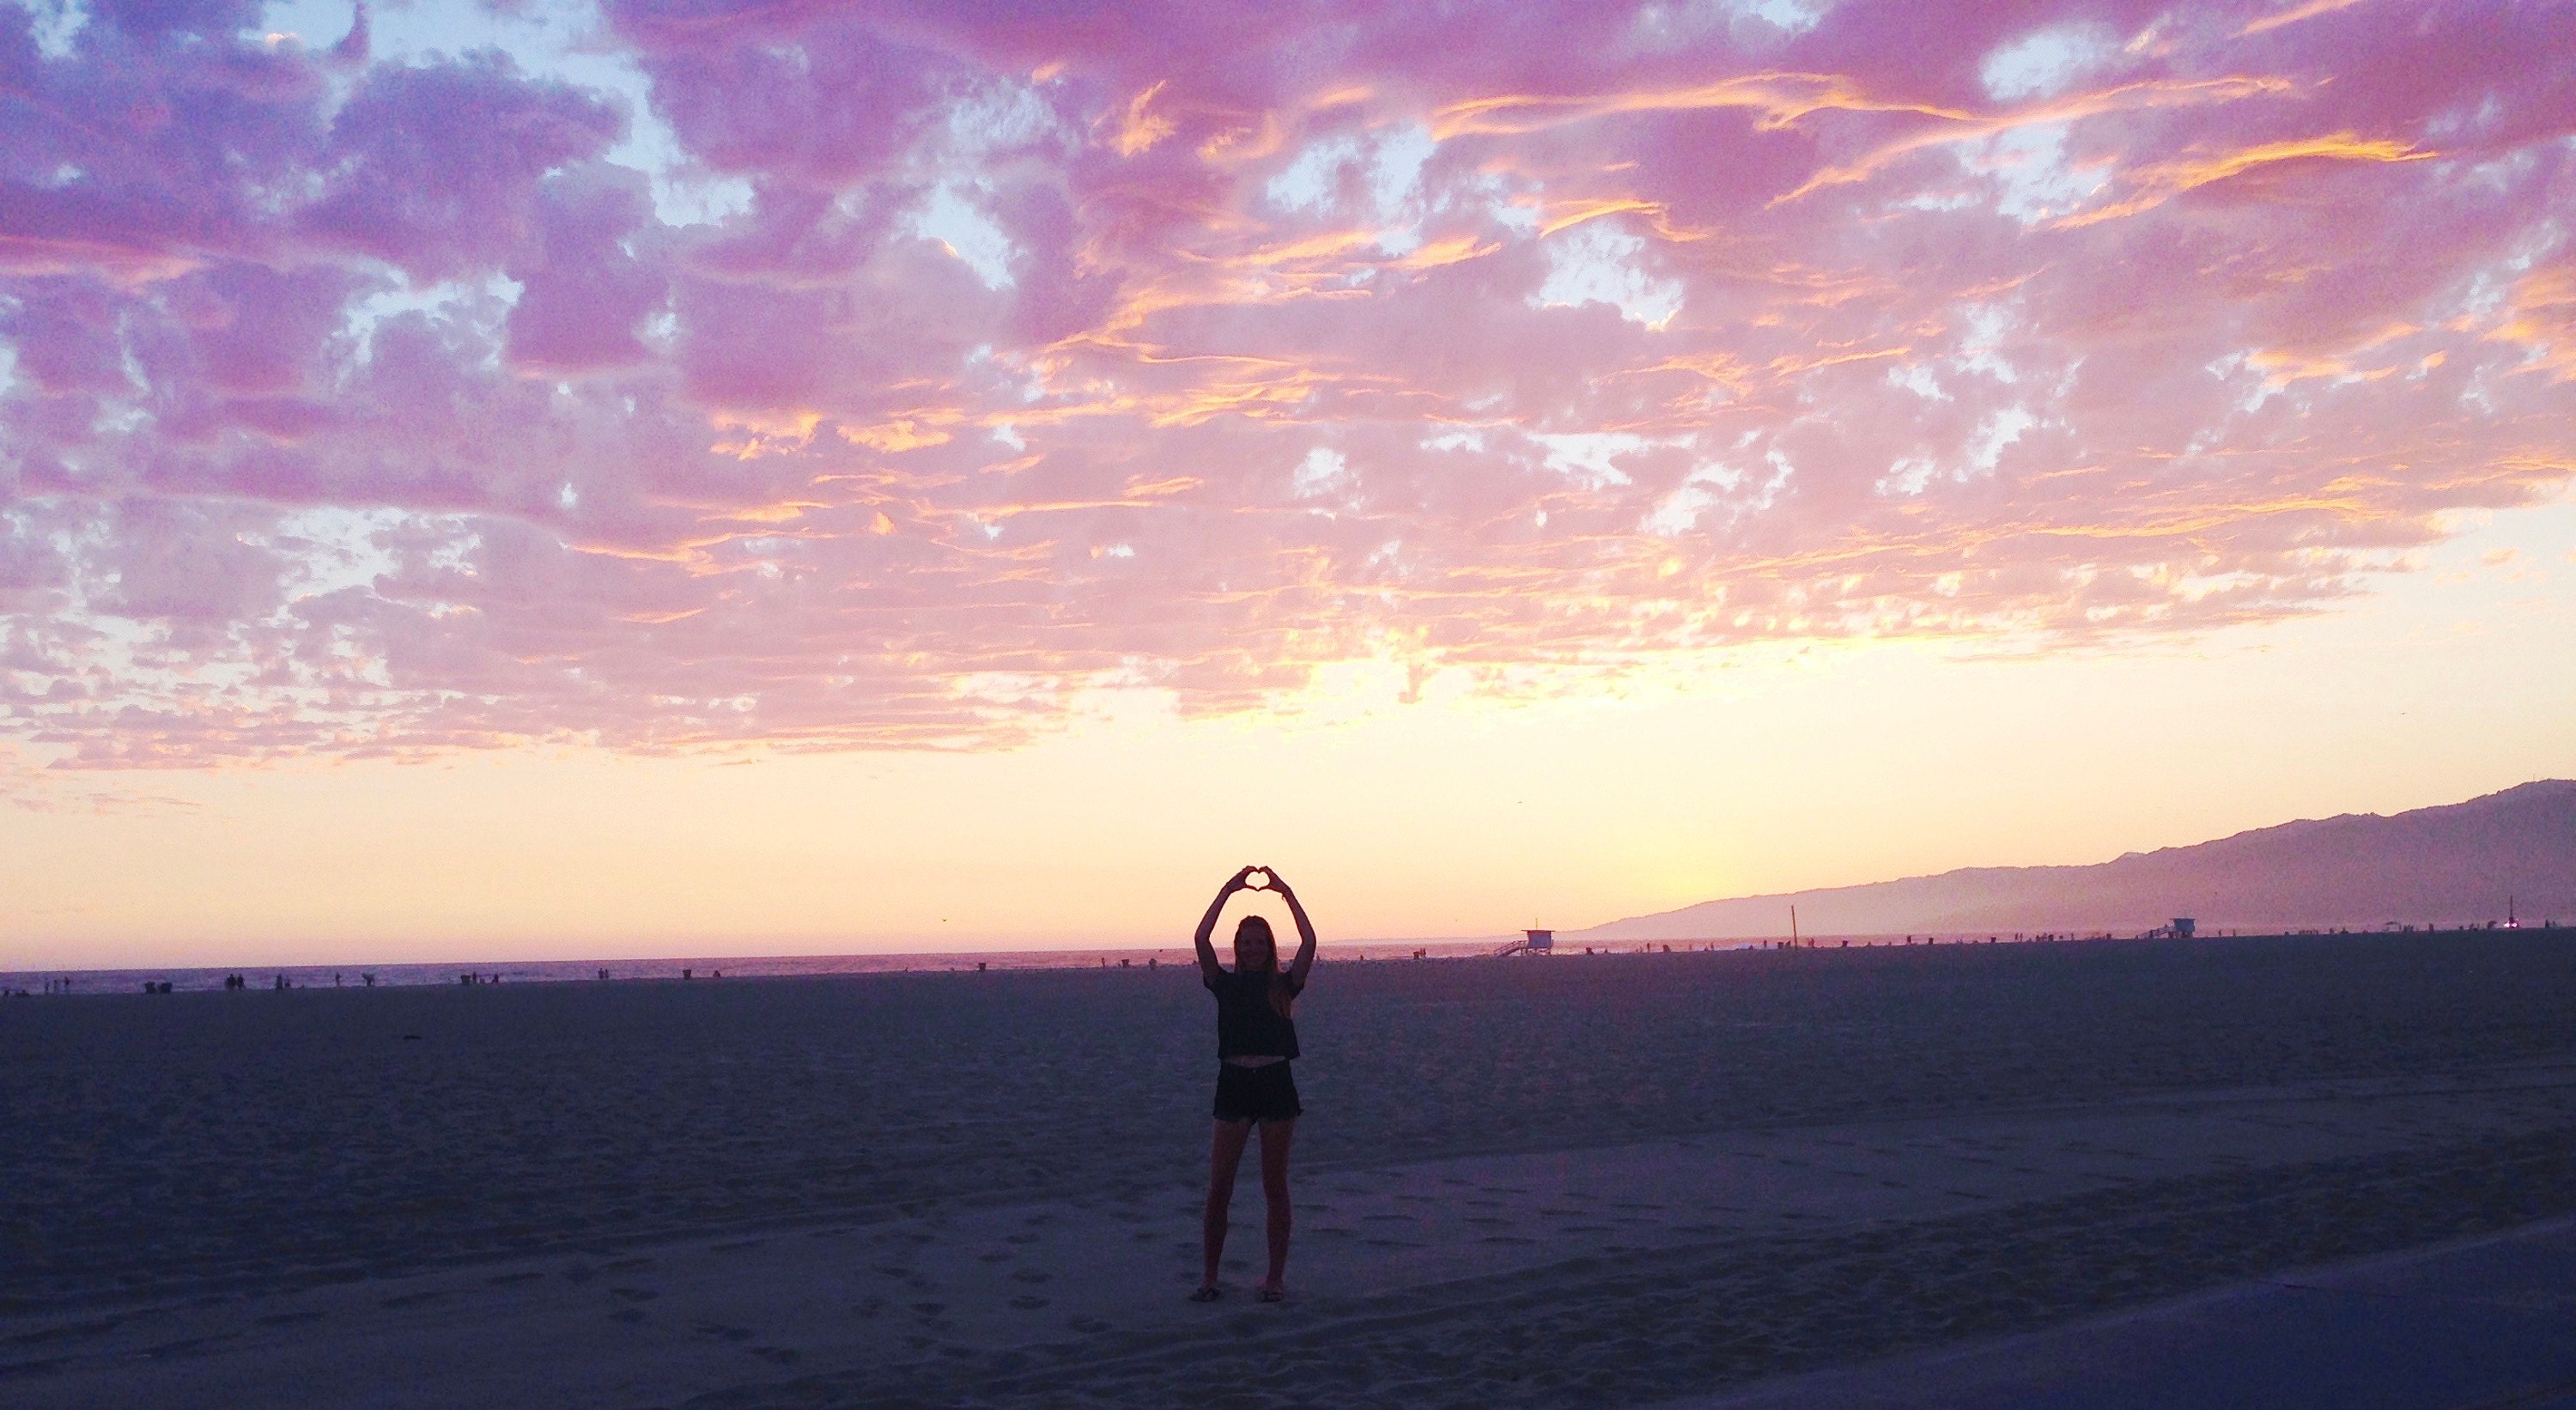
point(2448, 865)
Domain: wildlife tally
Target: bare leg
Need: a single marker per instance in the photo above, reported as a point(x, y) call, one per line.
point(1274, 1190)
point(1225, 1153)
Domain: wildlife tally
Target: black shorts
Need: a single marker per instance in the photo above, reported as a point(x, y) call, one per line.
point(1264, 1093)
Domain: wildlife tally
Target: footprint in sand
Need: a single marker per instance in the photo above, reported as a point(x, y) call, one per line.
point(1030, 1275)
point(1028, 1304)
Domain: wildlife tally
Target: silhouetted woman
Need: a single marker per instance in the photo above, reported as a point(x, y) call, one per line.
point(1256, 1037)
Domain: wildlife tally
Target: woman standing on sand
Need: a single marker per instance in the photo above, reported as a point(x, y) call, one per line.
point(1256, 1037)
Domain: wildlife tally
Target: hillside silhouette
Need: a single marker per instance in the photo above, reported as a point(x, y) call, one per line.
point(2452, 865)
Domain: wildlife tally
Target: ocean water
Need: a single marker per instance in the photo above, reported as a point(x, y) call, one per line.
point(43, 983)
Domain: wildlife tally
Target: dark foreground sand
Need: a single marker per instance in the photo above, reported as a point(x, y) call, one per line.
point(1551, 1182)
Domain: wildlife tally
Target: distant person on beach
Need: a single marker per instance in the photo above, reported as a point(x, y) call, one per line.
point(1256, 1038)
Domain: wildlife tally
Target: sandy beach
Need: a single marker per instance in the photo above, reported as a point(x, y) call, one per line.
point(1571, 1181)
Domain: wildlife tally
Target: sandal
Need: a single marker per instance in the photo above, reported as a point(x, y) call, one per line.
point(1205, 1295)
point(1274, 1294)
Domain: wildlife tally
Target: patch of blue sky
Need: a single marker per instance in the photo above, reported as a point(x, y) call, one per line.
point(1680, 511)
point(2037, 182)
point(55, 24)
point(1596, 263)
point(1981, 350)
point(1995, 434)
point(1390, 180)
point(1918, 379)
point(1520, 219)
point(2458, 122)
point(1589, 458)
point(1789, 16)
point(309, 24)
point(563, 40)
point(1306, 183)
point(2252, 392)
point(2501, 173)
point(1323, 471)
point(1395, 183)
point(967, 233)
point(1000, 117)
point(331, 549)
point(2484, 293)
point(2045, 62)
point(1667, 25)
point(1907, 476)
point(480, 304)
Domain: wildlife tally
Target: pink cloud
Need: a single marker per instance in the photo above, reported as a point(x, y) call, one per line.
point(371, 407)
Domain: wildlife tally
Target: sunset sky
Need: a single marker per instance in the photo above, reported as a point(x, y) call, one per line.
point(684, 476)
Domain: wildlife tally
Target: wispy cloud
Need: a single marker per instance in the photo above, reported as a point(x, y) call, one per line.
point(397, 407)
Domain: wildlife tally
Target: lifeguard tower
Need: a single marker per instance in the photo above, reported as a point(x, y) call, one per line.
point(1532, 942)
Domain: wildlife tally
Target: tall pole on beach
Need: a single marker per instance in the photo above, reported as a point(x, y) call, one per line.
point(1793, 927)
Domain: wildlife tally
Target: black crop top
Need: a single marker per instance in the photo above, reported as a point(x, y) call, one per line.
point(1246, 1024)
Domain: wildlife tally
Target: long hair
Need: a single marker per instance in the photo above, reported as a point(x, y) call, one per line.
point(1282, 998)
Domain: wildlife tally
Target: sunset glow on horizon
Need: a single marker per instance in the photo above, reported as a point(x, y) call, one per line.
point(685, 477)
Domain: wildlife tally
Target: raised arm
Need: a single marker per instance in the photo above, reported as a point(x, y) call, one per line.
point(1209, 969)
point(1305, 934)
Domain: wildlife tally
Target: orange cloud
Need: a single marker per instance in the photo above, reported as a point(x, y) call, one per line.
point(2160, 182)
point(1138, 129)
point(2294, 14)
point(1781, 98)
point(2127, 97)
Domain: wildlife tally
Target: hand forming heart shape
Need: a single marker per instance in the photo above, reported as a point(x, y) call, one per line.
point(1257, 881)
